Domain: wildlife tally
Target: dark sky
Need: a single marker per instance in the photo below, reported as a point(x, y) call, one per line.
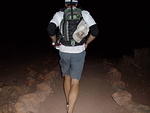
point(122, 25)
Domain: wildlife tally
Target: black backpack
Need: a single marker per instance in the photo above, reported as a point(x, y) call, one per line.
point(71, 19)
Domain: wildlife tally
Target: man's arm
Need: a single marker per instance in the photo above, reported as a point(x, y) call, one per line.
point(93, 34)
point(53, 38)
point(89, 40)
point(52, 32)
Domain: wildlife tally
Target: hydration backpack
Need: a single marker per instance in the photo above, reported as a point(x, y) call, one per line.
point(71, 19)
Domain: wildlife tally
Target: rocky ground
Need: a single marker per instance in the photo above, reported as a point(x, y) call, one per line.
point(33, 84)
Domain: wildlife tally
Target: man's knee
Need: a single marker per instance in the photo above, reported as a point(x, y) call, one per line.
point(75, 82)
point(67, 77)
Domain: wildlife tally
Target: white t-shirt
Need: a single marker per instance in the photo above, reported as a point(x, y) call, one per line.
point(57, 18)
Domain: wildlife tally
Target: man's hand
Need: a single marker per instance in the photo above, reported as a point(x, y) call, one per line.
point(86, 45)
point(89, 40)
point(56, 45)
point(53, 44)
point(53, 38)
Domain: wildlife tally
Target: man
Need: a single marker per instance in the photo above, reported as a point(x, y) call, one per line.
point(77, 29)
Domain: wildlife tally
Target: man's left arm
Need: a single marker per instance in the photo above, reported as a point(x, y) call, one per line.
point(52, 32)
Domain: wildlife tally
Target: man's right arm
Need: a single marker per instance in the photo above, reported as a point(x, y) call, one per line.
point(93, 34)
point(92, 26)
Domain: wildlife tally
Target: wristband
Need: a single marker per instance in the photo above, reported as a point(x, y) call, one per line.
point(53, 43)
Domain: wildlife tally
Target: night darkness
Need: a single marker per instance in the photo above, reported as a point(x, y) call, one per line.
point(116, 61)
point(123, 26)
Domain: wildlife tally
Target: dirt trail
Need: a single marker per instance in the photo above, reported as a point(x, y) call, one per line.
point(95, 94)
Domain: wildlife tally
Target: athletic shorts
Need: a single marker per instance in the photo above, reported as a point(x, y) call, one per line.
point(72, 64)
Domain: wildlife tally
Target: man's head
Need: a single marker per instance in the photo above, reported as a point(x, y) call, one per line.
point(71, 2)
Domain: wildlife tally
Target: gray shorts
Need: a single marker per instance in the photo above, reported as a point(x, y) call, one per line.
point(72, 64)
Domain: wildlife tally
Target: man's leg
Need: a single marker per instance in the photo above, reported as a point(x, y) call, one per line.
point(73, 94)
point(67, 85)
point(77, 63)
